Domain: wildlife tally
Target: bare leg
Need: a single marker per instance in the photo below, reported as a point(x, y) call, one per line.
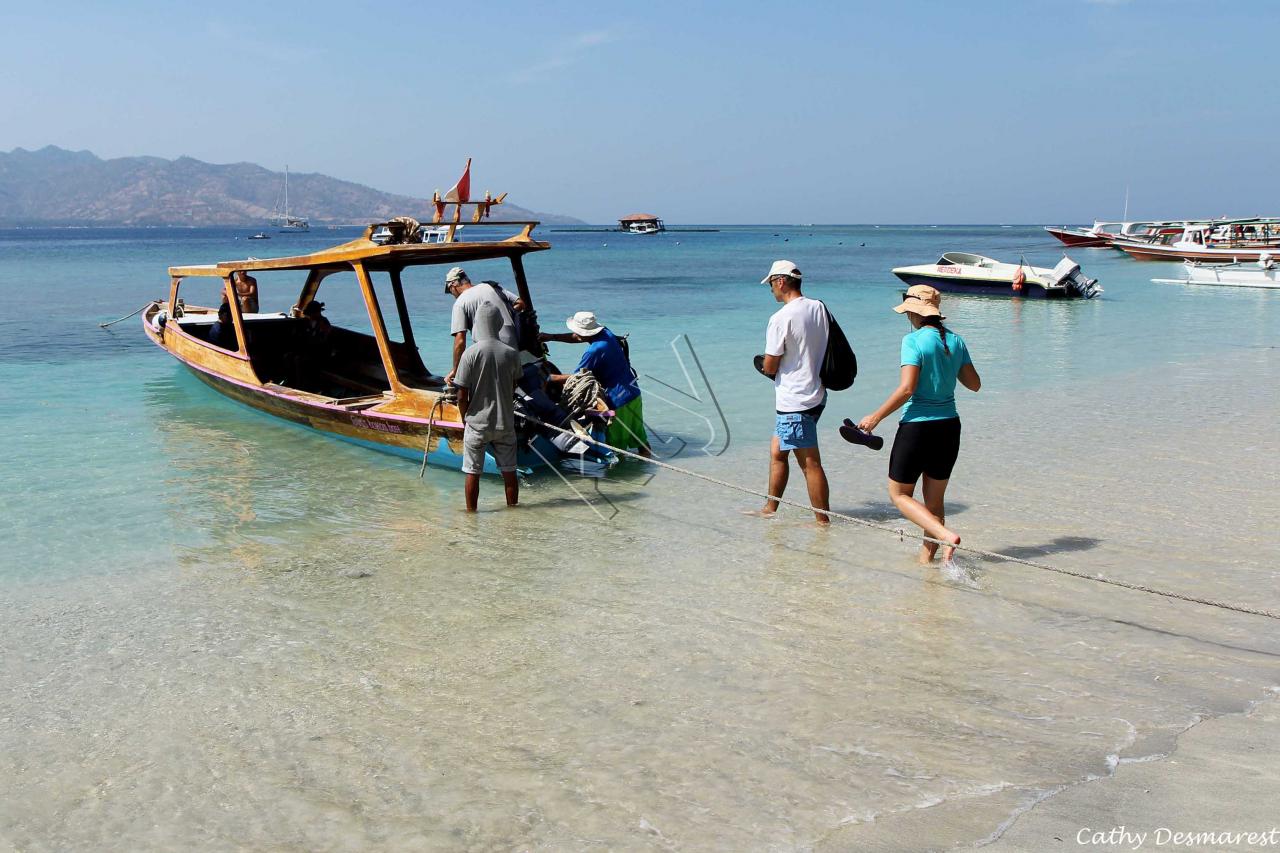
point(779, 473)
point(810, 461)
point(512, 485)
point(472, 491)
point(919, 515)
point(932, 492)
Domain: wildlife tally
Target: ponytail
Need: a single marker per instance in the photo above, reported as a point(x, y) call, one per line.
point(936, 323)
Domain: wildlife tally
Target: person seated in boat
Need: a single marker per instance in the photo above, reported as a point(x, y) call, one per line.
point(223, 332)
point(608, 360)
point(467, 300)
point(313, 349)
point(486, 379)
point(246, 291)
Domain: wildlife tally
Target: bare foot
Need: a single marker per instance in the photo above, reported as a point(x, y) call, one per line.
point(823, 521)
point(760, 513)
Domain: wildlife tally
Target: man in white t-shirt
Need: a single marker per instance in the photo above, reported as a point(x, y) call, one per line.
point(795, 345)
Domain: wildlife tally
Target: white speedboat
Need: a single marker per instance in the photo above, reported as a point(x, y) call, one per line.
point(963, 272)
point(1262, 273)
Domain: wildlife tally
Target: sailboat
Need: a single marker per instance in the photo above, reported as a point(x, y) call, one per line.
point(286, 222)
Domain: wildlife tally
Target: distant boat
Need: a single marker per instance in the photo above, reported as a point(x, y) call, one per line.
point(283, 220)
point(260, 236)
point(963, 272)
point(641, 223)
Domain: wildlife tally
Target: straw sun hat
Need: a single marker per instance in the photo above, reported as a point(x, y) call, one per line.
point(921, 300)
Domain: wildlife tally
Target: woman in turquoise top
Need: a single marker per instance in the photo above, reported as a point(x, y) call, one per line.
point(928, 439)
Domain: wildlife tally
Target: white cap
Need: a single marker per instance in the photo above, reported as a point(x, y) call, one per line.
point(455, 274)
point(584, 323)
point(781, 268)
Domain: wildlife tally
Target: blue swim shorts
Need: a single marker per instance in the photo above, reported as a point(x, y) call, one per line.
point(798, 430)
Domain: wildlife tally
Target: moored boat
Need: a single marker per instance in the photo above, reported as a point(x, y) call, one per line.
point(964, 272)
point(286, 222)
point(1104, 233)
point(1220, 241)
point(1262, 273)
point(361, 387)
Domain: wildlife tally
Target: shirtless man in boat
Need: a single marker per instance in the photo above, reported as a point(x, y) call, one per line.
point(795, 344)
point(246, 291)
point(469, 297)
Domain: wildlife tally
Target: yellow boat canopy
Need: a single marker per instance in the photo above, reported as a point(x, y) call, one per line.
point(377, 256)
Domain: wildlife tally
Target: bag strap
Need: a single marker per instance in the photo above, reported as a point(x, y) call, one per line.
point(509, 315)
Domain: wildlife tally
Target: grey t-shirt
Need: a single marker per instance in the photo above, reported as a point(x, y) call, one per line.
point(489, 370)
point(464, 311)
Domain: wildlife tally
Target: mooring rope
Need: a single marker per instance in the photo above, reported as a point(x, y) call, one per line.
point(903, 534)
point(127, 316)
point(431, 422)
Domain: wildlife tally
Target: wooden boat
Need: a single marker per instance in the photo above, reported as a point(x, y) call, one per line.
point(1104, 233)
point(369, 389)
point(1261, 274)
point(964, 272)
point(1219, 241)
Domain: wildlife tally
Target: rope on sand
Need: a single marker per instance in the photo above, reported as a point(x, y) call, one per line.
point(127, 316)
point(903, 534)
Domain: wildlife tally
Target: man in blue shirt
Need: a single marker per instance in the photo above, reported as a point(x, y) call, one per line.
point(606, 359)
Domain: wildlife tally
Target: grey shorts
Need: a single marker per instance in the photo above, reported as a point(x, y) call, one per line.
point(474, 442)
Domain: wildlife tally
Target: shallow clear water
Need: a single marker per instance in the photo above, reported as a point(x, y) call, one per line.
point(225, 631)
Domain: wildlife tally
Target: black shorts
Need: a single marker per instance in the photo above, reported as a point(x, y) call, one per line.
point(924, 447)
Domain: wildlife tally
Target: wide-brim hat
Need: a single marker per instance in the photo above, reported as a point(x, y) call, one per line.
point(584, 323)
point(921, 300)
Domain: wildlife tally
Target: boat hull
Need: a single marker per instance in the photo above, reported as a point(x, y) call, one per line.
point(1083, 239)
point(400, 435)
point(1144, 252)
point(1227, 276)
point(981, 287)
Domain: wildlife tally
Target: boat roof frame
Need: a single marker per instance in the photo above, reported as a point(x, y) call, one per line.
point(380, 257)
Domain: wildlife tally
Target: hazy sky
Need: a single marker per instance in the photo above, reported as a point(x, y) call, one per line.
point(1020, 112)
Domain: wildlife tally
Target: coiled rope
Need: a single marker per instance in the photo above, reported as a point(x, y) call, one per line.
point(903, 534)
point(127, 316)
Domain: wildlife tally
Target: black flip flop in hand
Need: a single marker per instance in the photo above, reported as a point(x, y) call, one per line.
point(849, 432)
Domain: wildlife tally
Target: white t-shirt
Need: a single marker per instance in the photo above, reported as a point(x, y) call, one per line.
point(798, 333)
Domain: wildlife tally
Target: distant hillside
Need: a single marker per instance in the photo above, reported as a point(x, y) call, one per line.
point(54, 186)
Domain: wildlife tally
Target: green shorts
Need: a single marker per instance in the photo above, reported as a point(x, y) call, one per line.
point(627, 428)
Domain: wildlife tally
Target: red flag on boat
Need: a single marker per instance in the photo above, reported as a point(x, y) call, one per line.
point(461, 191)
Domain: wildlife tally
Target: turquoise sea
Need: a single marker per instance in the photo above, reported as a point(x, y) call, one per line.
point(223, 631)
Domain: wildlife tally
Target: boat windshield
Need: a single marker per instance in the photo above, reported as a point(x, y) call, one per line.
point(961, 258)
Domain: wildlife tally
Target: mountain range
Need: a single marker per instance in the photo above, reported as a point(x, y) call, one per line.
point(54, 186)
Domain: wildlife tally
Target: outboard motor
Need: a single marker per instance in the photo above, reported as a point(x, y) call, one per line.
point(1067, 273)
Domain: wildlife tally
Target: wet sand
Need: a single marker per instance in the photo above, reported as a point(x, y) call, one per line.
point(1222, 775)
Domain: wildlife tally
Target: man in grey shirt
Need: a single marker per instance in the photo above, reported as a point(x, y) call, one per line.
point(486, 379)
point(467, 298)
